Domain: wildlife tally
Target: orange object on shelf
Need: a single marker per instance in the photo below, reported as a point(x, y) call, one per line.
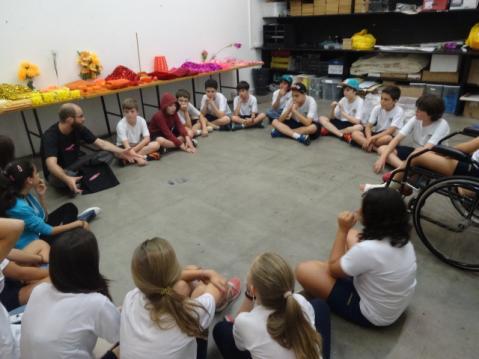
point(117, 84)
point(160, 64)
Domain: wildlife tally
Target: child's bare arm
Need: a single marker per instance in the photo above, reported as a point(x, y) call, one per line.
point(25, 258)
point(141, 144)
point(26, 274)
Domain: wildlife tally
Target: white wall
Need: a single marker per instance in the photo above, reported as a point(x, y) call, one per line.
point(178, 29)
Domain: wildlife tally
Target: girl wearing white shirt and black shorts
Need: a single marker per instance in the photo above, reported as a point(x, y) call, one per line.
point(371, 275)
point(273, 322)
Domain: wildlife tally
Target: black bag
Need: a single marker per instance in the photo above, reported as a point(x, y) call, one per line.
point(96, 177)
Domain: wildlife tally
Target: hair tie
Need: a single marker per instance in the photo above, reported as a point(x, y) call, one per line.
point(11, 178)
point(165, 291)
point(19, 168)
point(287, 294)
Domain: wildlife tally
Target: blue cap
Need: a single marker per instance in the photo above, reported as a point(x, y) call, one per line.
point(353, 83)
point(287, 78)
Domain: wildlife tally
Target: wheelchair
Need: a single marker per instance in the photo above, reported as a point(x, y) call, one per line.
point(445, 209)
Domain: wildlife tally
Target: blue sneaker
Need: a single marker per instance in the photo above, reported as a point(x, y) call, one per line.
point(275, 133)
point(88, 214)
point(236, 126)
point(304, 139)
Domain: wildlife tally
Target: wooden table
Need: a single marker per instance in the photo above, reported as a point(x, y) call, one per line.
point(106, 112)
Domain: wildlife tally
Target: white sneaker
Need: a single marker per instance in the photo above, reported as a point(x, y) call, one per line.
point(198, 132)
point(210, 128)
point(89, 213)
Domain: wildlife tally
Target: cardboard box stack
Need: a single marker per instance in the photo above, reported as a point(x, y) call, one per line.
point(345, 6)
point(361, 6)
point(295, 7)
point(332, 6)
point(319, 7)
point(307, 8)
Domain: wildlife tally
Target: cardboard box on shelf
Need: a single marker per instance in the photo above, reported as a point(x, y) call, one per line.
point(332, 6)
point(393, 75)
point(446, 77)
point(345, 6)
point(411, 91)
point(473, 77)
point(295, 7)
point(347, 44)
point(471, 109)
point(444, 63)
point(319, 7)
point(361, 6)
point(307, 8)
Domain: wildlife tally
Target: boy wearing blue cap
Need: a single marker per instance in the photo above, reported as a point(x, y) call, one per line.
point(346, 114)
point(280, 97)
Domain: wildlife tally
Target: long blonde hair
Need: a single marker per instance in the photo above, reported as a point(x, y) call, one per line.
point(155, 271)
point(273, 280)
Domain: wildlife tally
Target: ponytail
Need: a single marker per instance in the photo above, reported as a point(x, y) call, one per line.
point(273, 280)
point(155, 271)
point(291, 329)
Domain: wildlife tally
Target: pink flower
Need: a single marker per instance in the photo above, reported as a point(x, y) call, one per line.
point(237, 45)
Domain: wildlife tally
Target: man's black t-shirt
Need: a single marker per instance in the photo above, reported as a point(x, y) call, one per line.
point(66, 148)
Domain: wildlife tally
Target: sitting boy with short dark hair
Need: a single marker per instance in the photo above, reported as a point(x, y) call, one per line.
point(214, 106)
point(246, 109)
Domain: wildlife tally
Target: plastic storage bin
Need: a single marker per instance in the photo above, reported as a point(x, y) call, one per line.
point(330, 89)
point(315, 87)
point(450, 95)
point(434, 89)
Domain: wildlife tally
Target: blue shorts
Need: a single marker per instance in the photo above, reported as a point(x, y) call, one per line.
point(344, 301)
point(403, 152)
point(466, 169)
point(274, 114)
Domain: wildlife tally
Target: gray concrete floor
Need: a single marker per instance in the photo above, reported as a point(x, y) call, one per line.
point(244, 193)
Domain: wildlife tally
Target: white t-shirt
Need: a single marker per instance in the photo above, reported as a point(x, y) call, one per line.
point(66, 325)
point(475, 156)
point(246, 108)
point(133, 134)
point(382, 119)
point(192, 111)
point(221, 104)
point(384, 276)
point(9, 334)
point(282, 101)
point(250, 332)
point(308, 109)
point(141, 338)
point(354, 108)
point(422, 135)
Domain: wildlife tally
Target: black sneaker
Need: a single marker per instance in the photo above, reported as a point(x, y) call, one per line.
point(304, 139)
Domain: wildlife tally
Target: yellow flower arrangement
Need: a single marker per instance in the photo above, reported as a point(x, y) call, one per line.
point(27, 72)
point(90, 66)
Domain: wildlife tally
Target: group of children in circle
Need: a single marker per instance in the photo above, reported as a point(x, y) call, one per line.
point(369, 278)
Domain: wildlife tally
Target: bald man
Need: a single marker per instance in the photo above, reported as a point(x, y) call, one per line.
point(60, 150)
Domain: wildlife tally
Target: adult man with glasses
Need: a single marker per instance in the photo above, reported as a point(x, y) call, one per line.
point(60, 149)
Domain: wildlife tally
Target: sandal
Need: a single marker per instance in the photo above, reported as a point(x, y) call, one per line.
point(232, 293)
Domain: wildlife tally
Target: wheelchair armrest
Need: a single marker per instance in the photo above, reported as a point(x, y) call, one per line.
point(451, 152)
point(471, 131)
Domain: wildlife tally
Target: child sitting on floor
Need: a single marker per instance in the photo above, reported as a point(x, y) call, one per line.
point(65, 318)
point(280, 97)
point(299, 118)
point(132, 132)
point(425, 129)
point(246, 109)
point(171, 307)
point(16, 201)
point(384, 121)
point(214, 106)
point(274, 322)
point(166, 128)
point(191, 117)
point(370, 276)
point(345, 116)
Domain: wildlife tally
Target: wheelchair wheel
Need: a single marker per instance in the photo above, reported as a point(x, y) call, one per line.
point(446, 219)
